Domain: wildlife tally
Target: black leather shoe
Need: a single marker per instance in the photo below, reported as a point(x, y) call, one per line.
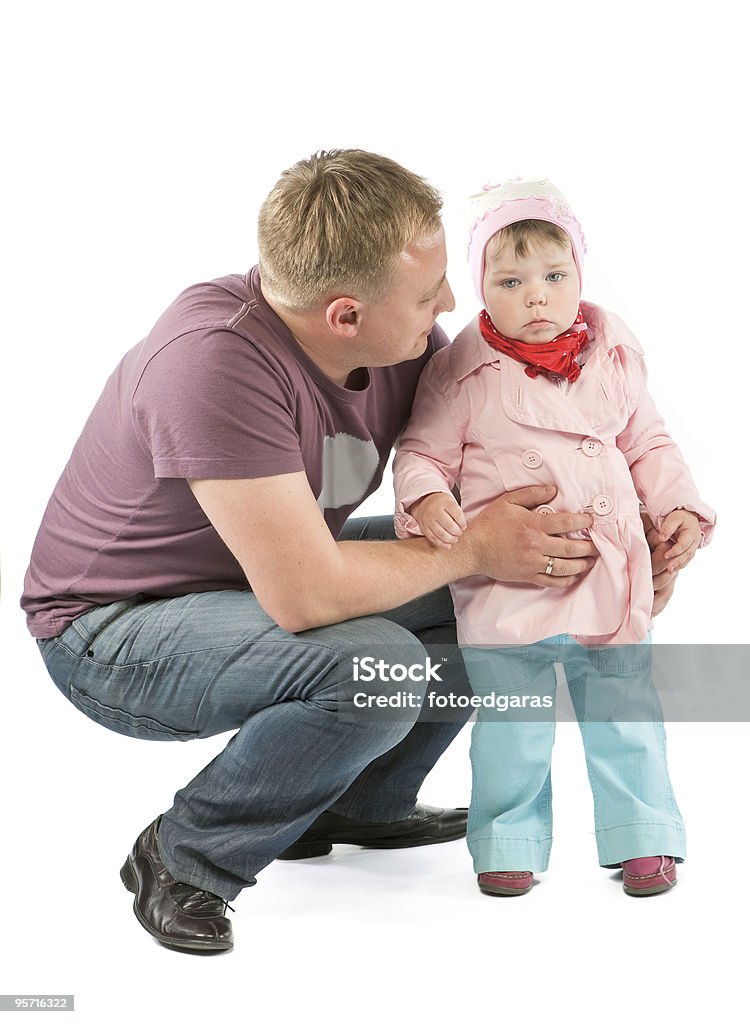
point(424, 826)
point(177, 914)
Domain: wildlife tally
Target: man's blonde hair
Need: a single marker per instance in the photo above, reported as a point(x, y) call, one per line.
point(337, 222)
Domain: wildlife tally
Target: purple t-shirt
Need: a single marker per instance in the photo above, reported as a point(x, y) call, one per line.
point(218, 390)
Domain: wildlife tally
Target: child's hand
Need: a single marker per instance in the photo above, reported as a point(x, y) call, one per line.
point(683, 528)
point(440, 519)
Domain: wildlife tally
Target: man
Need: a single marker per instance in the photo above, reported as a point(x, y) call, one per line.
point(225, 453)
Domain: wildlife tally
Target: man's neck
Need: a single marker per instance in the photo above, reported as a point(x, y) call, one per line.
point(317, 346)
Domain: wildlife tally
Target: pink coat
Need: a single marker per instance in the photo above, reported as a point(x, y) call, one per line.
point(478, 420)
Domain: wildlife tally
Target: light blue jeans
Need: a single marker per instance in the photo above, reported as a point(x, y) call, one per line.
point(619, 715)
point(186, 667)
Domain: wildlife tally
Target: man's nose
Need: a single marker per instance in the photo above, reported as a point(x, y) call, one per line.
point(446, 299)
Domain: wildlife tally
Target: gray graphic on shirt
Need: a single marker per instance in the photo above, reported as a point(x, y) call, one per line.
point(349, 465)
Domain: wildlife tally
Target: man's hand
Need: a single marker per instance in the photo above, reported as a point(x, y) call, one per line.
point(514, 545)
point(664, 572)
point(682, 528)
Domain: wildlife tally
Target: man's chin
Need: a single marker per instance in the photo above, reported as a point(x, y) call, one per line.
point(419, 349)
point(422, 341)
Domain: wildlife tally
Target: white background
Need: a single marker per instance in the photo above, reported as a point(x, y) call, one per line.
point(139, 141)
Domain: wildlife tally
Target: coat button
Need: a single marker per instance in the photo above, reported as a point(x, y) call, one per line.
point(602, 504)
point(532, 459)
point(591, 447)
point(545, 510)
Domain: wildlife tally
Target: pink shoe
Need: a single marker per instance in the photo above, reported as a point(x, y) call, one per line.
point(646, 876)
point(505, 883)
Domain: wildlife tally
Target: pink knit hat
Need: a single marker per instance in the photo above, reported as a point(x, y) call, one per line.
point(497, 206)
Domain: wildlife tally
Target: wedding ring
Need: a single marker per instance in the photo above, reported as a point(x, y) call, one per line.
point(550, 563)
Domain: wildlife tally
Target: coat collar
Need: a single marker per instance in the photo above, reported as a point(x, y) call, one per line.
point(607, 331)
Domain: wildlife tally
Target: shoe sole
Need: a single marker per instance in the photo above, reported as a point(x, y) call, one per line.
point(651, 891)
point(321, 849)
point(127, 876)
point(504, 892)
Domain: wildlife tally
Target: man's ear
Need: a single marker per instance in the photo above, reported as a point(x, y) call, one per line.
point(344, 316)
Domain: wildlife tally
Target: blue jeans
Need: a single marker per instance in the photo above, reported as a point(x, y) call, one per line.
point(186, 667)
point(619, 715)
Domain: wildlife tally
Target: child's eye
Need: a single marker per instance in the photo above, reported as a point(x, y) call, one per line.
point(555, 276)
point(510, 283)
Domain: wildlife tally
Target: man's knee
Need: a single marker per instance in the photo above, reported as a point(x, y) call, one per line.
point(379, 672)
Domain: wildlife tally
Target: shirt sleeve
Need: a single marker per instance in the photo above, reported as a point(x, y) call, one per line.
point(659, 471)
point(429, 451)
point(212, 405)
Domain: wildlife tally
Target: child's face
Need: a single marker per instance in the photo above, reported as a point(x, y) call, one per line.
point(532, 298)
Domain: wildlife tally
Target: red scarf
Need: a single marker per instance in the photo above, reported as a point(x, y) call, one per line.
point(555, 357)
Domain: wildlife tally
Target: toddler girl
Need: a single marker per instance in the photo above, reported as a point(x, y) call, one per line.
point(541, 388)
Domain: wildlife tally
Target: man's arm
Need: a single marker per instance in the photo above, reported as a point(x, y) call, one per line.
point(303, 578)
